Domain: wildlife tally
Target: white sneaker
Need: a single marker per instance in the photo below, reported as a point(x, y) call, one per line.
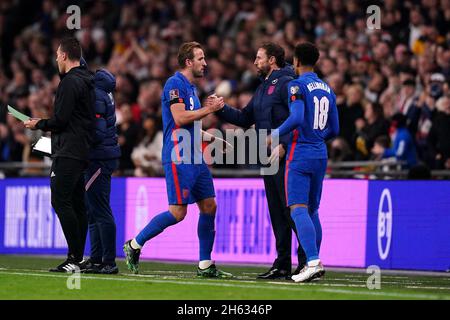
point(309, 273)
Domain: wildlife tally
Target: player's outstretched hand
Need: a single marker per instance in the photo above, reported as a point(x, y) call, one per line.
point(214, 103)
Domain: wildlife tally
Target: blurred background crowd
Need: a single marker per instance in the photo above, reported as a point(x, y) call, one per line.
point(404, 67)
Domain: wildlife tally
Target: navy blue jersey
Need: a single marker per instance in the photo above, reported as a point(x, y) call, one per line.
point(313, 117)
point(178, 89)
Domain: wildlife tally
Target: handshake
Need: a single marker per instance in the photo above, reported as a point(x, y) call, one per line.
point(214, 103)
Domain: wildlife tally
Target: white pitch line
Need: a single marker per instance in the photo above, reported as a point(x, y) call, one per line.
point(215, 284)
point(253, 281)
point(152, 271)
point(388, 272)
point(314, 284)
point(437, 288)
point(240, 280)
point(362, 278)
point(347, 280)
point(350, 282)
point(172, 271)
point(177, 278)
point(400, 282)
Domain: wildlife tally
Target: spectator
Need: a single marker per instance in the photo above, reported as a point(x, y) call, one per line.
point(375, 87)
point(439, 137)
point(146, 155)
point(408, 105)
point(350, 112)
point(14, 141)
point(427, 110)
point(403, 148)
point(128, 132)
point(373, 126)
point(340, 150)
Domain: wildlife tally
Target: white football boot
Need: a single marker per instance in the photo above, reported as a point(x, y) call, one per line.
point(309, 273)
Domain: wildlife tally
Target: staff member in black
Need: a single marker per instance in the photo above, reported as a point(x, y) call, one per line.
point(267, 109)
point(71, 127)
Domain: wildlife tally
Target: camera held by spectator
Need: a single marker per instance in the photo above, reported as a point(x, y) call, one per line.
point(437, 81)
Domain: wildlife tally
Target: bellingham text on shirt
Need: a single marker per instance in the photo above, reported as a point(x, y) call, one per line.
point(318, 85)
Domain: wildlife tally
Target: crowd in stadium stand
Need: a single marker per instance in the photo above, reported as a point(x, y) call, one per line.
point(404, 67)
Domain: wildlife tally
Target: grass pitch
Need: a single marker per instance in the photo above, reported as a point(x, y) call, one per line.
point(26, 277)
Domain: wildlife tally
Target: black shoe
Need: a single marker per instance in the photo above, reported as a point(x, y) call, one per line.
point(109, 269)
point(299, 268)
point(91, 266)
point(71, 265)
point(275, 273)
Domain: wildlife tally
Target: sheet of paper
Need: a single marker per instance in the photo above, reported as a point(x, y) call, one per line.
point(17, 114)
point(44, 145)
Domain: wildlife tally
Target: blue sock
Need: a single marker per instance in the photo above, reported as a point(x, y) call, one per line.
point(316, 221)
point(306, 232)
point(155, 227)
point(206, 234)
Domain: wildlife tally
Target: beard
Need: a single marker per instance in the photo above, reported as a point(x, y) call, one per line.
point(198, 73)
point(263, 72)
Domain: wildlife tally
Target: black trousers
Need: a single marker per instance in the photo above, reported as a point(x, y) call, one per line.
point(67, 187)
point(102, 227)
point(282, 223)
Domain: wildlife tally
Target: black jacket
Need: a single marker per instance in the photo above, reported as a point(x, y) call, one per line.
point(268, 108)
point(72, 123)
point(439, 135)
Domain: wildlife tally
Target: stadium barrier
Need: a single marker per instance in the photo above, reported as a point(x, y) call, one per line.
point(392, 224)
point(385, 169)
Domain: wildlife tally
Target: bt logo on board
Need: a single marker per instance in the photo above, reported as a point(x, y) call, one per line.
point(384, 227)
